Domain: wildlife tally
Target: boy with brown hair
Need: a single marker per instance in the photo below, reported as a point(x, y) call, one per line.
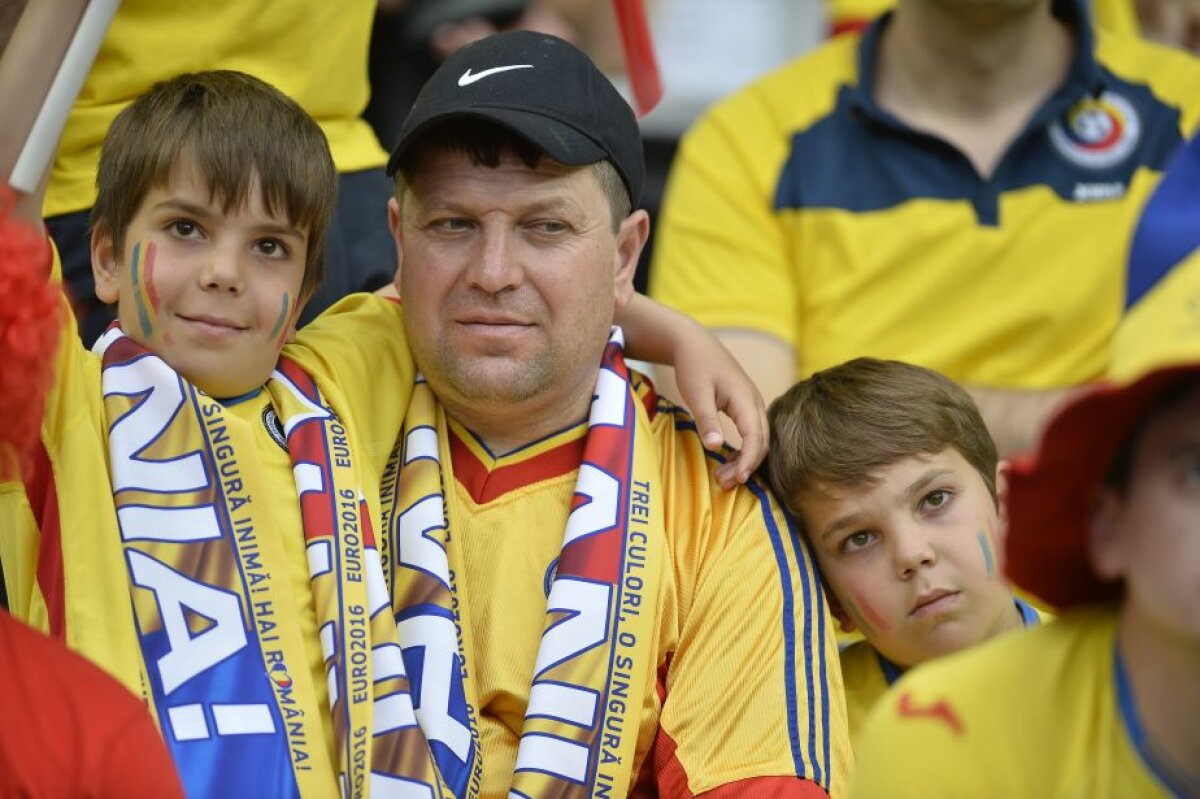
point(891, 474)
point(218, 436)
point(1104, 525)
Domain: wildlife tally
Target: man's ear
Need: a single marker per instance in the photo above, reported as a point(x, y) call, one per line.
point(1104, 542)
point(106, 271)
point(397, 238)
point(631, 238)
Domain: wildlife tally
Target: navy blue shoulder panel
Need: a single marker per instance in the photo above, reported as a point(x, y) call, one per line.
point(1169, 229)
point(852, 161)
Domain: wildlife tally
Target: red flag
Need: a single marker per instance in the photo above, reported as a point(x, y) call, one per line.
point(640, 62)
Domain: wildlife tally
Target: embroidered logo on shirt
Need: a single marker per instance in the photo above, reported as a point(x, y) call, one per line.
point(271, 421)
point(1097, 132)
point(939, 710)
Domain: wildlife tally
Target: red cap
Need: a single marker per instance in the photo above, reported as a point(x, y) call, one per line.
point(1051, 494)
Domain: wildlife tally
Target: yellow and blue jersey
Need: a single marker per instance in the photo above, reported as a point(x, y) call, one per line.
point(867, 674)
point(801, 209)
point(748, 695)
point(1045, 712)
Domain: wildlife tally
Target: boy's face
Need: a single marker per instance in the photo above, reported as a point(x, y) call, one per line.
point(1150, 535)
point(912, 557)
point(214, 294)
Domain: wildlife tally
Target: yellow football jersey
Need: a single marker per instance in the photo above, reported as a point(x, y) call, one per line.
point(314, 52)
point(1034, 713)
point(61, 550)
point(868, 674)
point(749, 692)
point(1118, 16)
point(800, 209)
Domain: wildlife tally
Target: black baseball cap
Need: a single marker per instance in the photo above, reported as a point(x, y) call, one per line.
point(542, 88)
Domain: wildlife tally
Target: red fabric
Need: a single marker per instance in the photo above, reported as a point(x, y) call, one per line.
point(1050, 493)
point(70, 729)
point(484, 486)
point(42, 494)
point(29, 328)
point(663, 767)
point(848, 25)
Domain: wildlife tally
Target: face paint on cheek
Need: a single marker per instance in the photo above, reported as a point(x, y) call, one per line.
point(865, 616)
point(141, 276)
point(989, 559)
point(279, 332)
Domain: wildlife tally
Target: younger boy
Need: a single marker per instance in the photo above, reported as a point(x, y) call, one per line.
point(891, 474)
point(1104, 522)
point(244, 474)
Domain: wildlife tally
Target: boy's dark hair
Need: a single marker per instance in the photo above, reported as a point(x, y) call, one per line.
point(230, 127)
point(485, 143)
point(842, 425)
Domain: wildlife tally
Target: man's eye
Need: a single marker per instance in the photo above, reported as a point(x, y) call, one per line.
point(550, 226)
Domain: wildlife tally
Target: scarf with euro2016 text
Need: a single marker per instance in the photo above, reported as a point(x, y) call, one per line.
point(224, 666)
point(595, 660)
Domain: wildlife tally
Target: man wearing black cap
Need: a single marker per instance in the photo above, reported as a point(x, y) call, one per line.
point(583, 610)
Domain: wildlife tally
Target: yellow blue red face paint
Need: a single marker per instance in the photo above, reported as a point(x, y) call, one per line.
point(865, 616)
point(141, 277)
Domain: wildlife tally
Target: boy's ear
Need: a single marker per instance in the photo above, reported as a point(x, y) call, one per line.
point(106, 271)
point(1002, 469)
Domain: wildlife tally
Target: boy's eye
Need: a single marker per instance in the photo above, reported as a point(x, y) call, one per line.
point(936, 499)
point(185, 228)
point(272, 247)
point(857, 540)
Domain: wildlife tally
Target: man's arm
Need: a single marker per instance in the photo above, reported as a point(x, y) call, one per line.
point(769, 362)
point(710, 381)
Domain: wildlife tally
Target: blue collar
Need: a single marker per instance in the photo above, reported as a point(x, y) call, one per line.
point(1029, 618)
point(1137, 733)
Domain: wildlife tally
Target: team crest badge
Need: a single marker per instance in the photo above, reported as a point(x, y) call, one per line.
point(1097, 132)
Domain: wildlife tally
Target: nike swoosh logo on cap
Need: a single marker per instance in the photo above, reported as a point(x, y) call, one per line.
point(467, 78)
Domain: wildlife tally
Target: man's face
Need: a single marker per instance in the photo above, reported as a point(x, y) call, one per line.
point(214, 294)
point(509, 278)
point(912, 557)
point(1150, 535)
